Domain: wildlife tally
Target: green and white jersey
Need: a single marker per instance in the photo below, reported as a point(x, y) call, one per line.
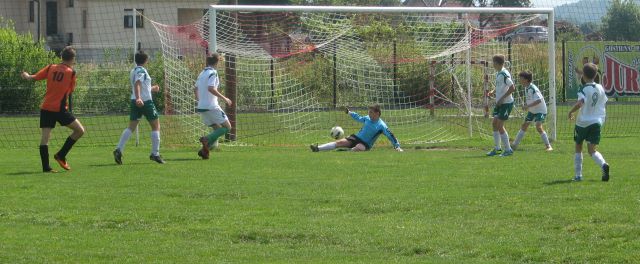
point(208, 77)
point(532, 94)
point(139, 73)
point(503, 82)
point(594, 108)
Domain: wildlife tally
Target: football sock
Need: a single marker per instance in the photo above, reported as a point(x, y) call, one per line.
point(328, 146)
point(123, 139)
point(597, 157)
point(545, 139)
point(44, 157)
point(66, 147)
point(518, 137)
point(213, 136)
point(578, 164)
point(155, 143)
point(496, 139)
point(505, 141)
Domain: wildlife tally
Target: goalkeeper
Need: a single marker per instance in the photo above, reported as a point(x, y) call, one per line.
point(364, 140)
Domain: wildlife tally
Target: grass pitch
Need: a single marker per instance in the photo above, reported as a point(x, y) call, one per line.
point(442, 203)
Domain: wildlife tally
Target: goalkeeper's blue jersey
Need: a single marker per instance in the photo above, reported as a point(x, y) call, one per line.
point(371, 130)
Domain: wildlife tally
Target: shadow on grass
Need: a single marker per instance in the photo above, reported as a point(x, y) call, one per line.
point(567, 181)
point(40, 173)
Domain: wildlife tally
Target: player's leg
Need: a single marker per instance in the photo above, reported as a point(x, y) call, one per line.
point(217, 116)
point(155, 141)
point(496, 134)
point(340, 143)
point(78, 131)
point(543, 136)
point(359, 147)
point(593, 140)
point(503, 116)
point(578, 137)
point(520, 136)
point(44, 149)
point(124, 137)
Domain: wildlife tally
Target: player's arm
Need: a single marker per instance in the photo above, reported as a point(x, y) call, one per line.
point(214, 91)
point(392, 138)
point(136, 91)
point(575, 107)
point(155, 88)
point(356, 116)
point(40, 75)
point(526, 106)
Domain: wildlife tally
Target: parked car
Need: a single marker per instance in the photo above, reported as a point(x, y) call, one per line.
point(528, 34)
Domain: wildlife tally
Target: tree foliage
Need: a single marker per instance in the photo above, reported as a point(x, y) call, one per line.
point(622, 21)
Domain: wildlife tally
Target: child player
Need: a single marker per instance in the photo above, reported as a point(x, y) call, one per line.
point(141, 104)
point(592, 105)
point(364, 140)
point(504, 105)
point(207, 94)
point(61, 81)
point(536, 110)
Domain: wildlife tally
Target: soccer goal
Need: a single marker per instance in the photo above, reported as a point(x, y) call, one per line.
point(290, 70)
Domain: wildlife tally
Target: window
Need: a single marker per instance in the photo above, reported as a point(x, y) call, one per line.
point(84, 18)
point(69, 39)
point(128, 18)
point(32, 11)
point(70, 3)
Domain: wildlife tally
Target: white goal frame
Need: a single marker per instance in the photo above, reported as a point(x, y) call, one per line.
point(432, 10)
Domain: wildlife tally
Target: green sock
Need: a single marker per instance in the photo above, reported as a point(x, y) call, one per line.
point(216, 134)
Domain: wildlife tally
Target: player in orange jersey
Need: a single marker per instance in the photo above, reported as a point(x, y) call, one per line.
point(61, 81)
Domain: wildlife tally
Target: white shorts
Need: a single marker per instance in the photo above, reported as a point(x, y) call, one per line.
point(214, 117)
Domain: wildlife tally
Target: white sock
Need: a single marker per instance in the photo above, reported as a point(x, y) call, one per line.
point(328, 146)
point(545, 139)
point(578, 164)
point(155, 143)
point(518, 137)
point(597, 157)
point(496, 139)
point(126, 134)
point(505, 141)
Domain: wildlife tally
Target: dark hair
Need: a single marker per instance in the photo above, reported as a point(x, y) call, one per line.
point(590, 70)
point(527, 75)
point(141, 57)
point(68, 53)
point(213, 59)
point(375, 108)
point(498, 59)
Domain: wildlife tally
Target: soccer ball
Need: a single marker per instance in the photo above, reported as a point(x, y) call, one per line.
point(337, 132)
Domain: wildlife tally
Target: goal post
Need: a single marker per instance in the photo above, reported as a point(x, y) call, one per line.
point(294, 67)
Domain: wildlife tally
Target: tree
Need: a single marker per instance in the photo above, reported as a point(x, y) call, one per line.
point(622, 21)
point(486, 19)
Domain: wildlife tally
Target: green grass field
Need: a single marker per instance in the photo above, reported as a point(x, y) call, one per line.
point(444, 203)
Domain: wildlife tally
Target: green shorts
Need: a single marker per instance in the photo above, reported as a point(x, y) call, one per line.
point(535, 117)
point(502, 111)
point(148, 110)
point(591, 134)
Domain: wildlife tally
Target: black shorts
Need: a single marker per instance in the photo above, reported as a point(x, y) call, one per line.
point(49, 119)
point(354, 140)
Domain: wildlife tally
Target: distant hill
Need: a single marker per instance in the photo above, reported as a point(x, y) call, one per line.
point(584, 11)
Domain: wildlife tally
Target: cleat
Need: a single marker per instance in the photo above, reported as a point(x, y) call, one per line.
point(494, 152)
point(506, 153)
point(577, 178)
point(204, 152)
point(548, 149)
point(63, 163)
point(202, 155)
point(314, 148)
point(157, 159)
point(605, 172)
point(117, 156)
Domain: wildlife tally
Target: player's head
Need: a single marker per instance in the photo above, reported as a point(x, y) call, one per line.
point(68, 55)
point(213, 59)
point(374, 112)
point(498, 61)
point(525, 77)
point(141, 58)
point(590, 71)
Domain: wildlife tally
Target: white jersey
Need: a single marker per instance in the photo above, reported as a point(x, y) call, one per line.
point(206, 100)
point(503, 82)
point(532, 94)
point(594, 108)
point(139, 73)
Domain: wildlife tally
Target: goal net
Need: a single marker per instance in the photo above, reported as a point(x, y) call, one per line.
point(291, 71)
